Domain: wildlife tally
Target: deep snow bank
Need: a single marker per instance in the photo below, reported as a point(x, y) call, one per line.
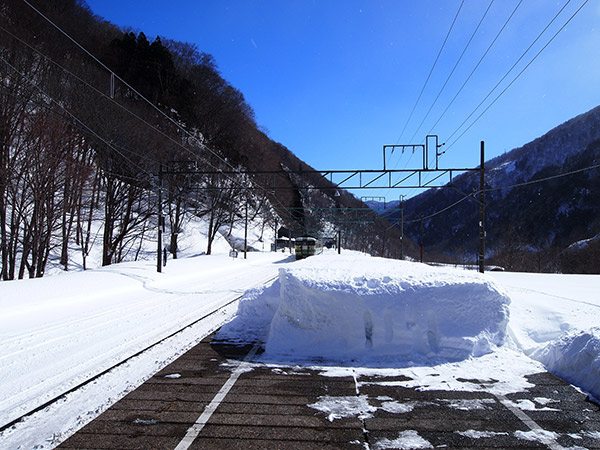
point(575, 357)
point(343, 308)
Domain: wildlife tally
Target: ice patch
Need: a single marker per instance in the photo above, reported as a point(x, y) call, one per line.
point(542, 436)
point(470, 405)
point(395, 407)
point(528, 405)
point(509, 378)
point(145, 422)
point(406, 440)
point(474, 434)
point(545, 401)
point(340, 407)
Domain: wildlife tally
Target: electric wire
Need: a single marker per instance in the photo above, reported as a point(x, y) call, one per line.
point(541, 180)
point(160, 111)
point(82, 129)
point(194, 138)
point(447, 79)
point(105, 96)
point(72, 116)
point(426, 82)
point(431, 70)
point(513, 66)
point(476, 66)
point(499, 188)
point(472, 195)
point(511, 69)
point(454, 68)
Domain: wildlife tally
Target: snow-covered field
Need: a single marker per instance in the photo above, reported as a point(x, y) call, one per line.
point(372, 314)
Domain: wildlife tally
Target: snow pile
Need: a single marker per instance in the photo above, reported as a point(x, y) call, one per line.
point(554, 319)
point(575, 357)
point(373, 311)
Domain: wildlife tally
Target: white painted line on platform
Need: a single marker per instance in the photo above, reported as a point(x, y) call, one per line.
point(531, 424)
point(194, 431)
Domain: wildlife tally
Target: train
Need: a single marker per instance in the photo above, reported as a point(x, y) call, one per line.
point(307, 246)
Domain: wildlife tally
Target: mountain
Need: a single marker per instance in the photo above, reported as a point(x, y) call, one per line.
point(540, 199)
point(113, 146)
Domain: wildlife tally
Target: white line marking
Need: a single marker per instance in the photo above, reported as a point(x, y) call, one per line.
point(531, 424)
point(193, 432)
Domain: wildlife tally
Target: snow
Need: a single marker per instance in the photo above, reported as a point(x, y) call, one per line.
point(346, 314)
point(554, 319)
point(373, 311)
point(406, 440)
point(474, 434)
point(575, 358)
point(57, 331)
point(541, 436)
point(340, 407)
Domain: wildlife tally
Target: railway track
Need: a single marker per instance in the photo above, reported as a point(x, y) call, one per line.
point(95, 377)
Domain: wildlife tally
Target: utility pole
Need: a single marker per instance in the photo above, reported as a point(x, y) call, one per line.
point(339, 241)
point(482, 210)
point(421, 237)
point(246, 231)
point(161, 222)
point(402, 227)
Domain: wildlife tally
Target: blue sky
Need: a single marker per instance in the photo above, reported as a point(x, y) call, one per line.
point(335, 80)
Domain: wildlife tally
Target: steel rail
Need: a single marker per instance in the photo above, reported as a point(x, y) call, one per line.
point(120, 363)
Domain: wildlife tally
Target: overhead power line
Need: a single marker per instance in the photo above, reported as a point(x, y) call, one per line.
point(73, 116)
point(170, 119)
point(510, 70)
point(476, 66)
point(161, 112)
point(499, 188)
point(454, 68)
point(431, 70)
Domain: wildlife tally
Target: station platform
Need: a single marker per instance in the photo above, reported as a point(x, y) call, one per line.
point(214, 397)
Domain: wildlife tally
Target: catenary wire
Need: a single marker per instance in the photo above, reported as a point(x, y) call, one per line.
point(511, 69)
point(125, 83)
point(72, 116)
point(454, 68)
point(425, 85)
point(508, 72)
point(431, 70)
point(499, 188)
point(194, 138)
point(476, 66)
point(450, 75)
point(102, 94)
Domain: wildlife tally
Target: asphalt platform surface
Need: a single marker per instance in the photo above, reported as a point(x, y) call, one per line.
point(210, 399)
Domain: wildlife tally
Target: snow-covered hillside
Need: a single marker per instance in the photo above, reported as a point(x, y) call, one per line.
point(551, 149)
point(540, 199)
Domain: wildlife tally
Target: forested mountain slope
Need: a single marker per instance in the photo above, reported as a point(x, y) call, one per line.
point(540, 199)
point(95, 121)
